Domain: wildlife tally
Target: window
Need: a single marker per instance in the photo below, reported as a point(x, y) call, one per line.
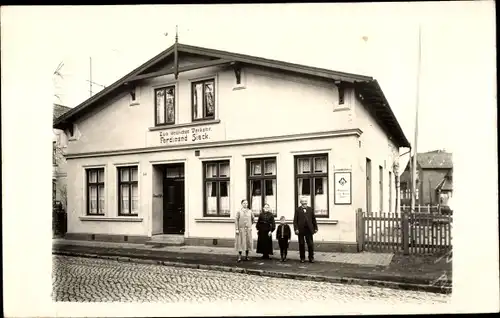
point(381, 187)
point(165, 106)
point(390, 191)
point(128, 191)
point(71, 131)
point(54, 191)
point(311, 175)
point(261, 180)
point(134, 96)
point(95, 191)
point(341, 90)
point(203, 99)
point(216, 188)
point(54, 153)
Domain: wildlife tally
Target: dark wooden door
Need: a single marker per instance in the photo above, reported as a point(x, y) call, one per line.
point(368, 185)
point(173, 206)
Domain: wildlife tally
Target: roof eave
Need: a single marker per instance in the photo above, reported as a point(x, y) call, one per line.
point(61, 121)
point(384, 113)
point(297, 68)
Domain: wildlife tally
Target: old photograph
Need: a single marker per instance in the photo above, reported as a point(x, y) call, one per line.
point(255, 154)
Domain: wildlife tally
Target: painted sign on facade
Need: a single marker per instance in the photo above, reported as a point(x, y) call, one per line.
point(342, 182)
point(185, 136)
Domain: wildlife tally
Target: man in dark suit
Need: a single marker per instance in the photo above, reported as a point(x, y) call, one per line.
point(304, 225)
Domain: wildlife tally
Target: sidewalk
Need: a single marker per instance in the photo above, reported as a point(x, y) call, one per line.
point(376, 269)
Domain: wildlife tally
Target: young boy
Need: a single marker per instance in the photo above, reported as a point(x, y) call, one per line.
point(283, 235)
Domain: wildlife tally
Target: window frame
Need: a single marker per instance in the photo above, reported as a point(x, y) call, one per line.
point(96, 184)
point(312, 175)
point(130, 183)
point(341, 92)
point(54, 153)
point(390, 191)
point(381, 188)
point(262, 177)
point(203, 81)
point(54, 191)
point(217, 181)
point(164, 88)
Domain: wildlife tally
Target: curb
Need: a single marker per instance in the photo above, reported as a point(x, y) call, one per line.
point(259, 272)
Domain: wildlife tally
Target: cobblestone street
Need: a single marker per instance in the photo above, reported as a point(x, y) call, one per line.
point(96, 280)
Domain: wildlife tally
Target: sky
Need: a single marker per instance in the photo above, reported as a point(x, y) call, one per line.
point(378, 39)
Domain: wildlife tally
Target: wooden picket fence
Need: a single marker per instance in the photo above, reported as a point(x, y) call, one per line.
point(408, 233)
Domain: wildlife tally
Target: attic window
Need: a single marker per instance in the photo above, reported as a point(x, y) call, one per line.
point(237, 73)
point(134, 96)
point(71, 130)
point(239, 77)
point(341, 90)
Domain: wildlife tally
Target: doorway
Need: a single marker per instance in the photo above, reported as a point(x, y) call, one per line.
point(173, 199)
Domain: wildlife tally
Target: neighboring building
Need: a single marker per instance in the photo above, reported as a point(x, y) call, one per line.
point(59, 143)
point(434, 179)
point(154, 154)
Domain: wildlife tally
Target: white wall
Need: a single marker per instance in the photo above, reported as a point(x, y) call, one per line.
point(271, 104)
point(375, 145)
point(341, 152)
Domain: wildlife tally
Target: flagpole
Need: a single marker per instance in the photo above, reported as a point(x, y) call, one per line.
point(417, 100)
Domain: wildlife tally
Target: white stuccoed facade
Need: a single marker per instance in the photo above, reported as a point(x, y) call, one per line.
point(270, 114)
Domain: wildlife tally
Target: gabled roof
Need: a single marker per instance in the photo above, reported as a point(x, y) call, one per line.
point(446, 184)
point(372, 96)
point(59, 110)
point(437, 159)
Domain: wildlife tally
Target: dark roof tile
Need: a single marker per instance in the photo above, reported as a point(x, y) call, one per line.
point(59, 110)
point(435, 159)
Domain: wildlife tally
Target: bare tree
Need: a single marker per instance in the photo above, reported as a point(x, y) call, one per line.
point(395, 170)
point(57, 73)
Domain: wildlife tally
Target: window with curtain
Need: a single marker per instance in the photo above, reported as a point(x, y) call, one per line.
point(54, 153)
point(165, 106)
point(53, 191)
point(203, 99)
point(312, 182)
point(261, 180)
point(95, 191)
point(128, 191)
point(217, 188)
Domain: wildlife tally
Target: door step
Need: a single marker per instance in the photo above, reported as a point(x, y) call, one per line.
point(166, 240)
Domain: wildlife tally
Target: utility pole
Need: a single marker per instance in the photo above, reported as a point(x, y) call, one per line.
point(414, 164)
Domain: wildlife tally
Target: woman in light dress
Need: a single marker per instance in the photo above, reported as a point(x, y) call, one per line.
point(243, 223)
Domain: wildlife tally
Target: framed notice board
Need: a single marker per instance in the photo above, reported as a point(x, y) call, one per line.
point(342, 188)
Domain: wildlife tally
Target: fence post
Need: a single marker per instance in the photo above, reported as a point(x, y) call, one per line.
point(360, 226)
point(406, 233)
point(429, 208)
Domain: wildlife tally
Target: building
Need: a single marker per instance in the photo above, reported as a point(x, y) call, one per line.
point(176, 144)
point(434, 179)
point(58, 161)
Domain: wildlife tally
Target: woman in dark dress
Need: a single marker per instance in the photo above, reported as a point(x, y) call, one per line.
point(265, 228)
